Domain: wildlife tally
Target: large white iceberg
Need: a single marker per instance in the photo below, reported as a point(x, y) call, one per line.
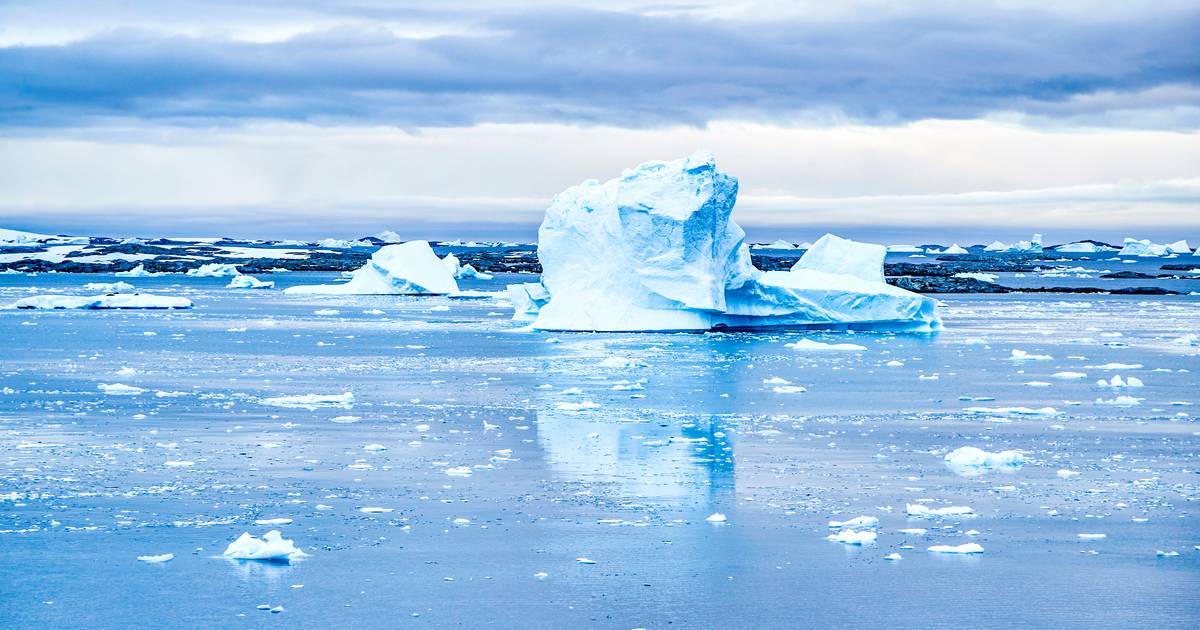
point(1082, 247)
point(1144, 247)
point(406, 269)
point(656, 250)
point(214, 270)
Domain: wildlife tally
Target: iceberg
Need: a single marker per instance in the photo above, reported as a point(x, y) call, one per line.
point(405, 269)
point(108, 287)
point(249, 282)
point(1144, 247)
point(997, 246)
point(1179, 247)
point(463, 271)
point(137, 272)
point(656, 249)
point(102, 302)
point(953, 250)
point(1082, 247)
point(968, 460)
point(214, 270)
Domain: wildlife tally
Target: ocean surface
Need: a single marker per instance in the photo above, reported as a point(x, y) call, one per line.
point(514, 479)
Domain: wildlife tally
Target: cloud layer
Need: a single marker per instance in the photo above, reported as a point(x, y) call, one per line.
point(632, 68)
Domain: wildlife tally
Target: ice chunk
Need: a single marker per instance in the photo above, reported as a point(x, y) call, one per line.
point(103, 302)
point(965, 548)
point(1134, 247)
point(463, 271)
point(272, 546)
point(120, 389)
point(1179, 247)
point(858, 521)
point(158, 559)
point(108, 287)
point(924, 511)
point(214, 270)
point(249, 282)
point(1013, 411)
point(312, 401)
point(656, 250)
point(968, 460)
point(716, 517)
point(406, 269)
point(976, 275)
point(137, 272)
point(808, 345)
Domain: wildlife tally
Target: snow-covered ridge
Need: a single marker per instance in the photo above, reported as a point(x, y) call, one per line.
point(656, 249)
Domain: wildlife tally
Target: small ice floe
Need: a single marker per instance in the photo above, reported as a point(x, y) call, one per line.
point(776, 380)
point(249, 282)
point(853, 537)
point(808, 345)
point(273, 521)
point(1021, 355)
point(1117, 366)
point(178, 464)
point(1166, 554)
point(1013, 411)
point(114, 301)
point(459, 471)
point(1037, 384)
point(541, 575)
point(108, 287)
point(326, 311)
point(374, 447)
point(1117, 381)
point(1069, 376)
point(119, 389)
point(1066, 474)
point(1092, 536)
point(789, 389)
point(582, 560)
point(159, 559)
point(894, 363)
point(272, 546)
point(923, 511)
point(214, 270)
point(968, 460)
point(859, 521)
point(915, 531)
point(312, 401)
point(893, 556)
point(965, 548)
point(621, 363)
point(374, 510)
point(1120, 401)
point(716, 517)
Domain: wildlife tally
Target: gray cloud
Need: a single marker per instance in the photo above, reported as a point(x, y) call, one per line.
point(623, 68)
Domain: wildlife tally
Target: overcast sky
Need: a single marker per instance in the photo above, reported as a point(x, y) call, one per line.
point(278, 118)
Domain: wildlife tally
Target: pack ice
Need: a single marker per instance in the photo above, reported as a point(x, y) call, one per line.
point(406, 269)
point(657, 250)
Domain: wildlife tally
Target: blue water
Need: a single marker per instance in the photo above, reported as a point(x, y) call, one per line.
point(85, 488)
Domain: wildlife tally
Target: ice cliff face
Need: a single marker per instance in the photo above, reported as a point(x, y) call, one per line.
point(656, 250)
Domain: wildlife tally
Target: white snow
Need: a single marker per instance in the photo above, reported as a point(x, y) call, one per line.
point(965, 548)
point(272, 546)
point(969, 458)
point(808, 345)
point(249, 282)
point(1021, 355)
point(975, 275)
point(656, 250)
point(102, 302)
point(1082, 248)
point(1120, 401)
point(406, 269)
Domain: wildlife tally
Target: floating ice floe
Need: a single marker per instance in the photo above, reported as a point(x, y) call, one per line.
point(858, 521)
point(923, 511)
point(1120, 401)
point(406, 269)
point(1021, 355)
point(1013, 411)
point(966, 548)
point(272, 546)
point(312, 401)
point(716, 517)
point(119, 389)
point(158, 559)
point(853, 537)
point(241, 281)
point(969, 460)
point(103, 302)
point(656, 250)
point(214, 270)
point(808, 345)
point(108, 287)
point(975, 275)
point(1116, 381)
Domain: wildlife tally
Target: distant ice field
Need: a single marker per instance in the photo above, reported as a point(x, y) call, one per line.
point(442, 467)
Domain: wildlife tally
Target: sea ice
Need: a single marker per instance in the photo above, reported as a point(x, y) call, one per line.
point(965, 548)
point(853, 537)
point(214, 270)
point(406, 269)
point(312, 401)
point(656, 250)
point(858, 521)
point(108, 287)
point(971, 460)
point(103, 302)
point(272, 546)
point(249, 282)
point(137, 272)
point(924, 511)
point(158, 559)
point(817, 346)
